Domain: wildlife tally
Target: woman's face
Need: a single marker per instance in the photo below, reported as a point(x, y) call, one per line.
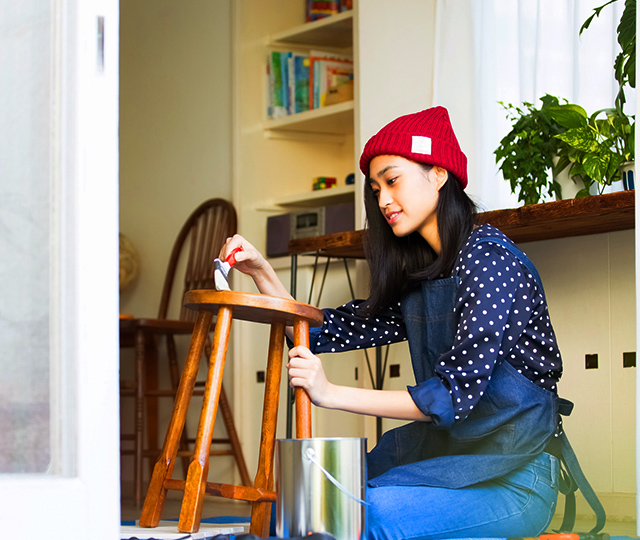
point(407, 195)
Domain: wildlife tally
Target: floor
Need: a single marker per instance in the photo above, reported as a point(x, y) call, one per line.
point(612, 528)
point(214, 507)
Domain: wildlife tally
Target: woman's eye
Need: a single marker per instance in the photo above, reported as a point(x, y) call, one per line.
point(391, 181)
point(376, 193)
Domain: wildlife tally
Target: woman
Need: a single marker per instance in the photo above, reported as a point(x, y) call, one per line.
point(485, 358)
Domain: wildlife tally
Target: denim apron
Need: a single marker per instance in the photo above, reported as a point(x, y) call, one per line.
point(511, 424)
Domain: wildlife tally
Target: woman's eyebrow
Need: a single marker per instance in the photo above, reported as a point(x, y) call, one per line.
point(389, 167)
point(381, 173)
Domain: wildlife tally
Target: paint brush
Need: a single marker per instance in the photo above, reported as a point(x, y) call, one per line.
point(221, 271)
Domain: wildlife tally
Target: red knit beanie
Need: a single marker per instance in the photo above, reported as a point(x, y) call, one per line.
point(425, 137)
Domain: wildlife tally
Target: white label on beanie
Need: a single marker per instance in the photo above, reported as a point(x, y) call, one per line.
point(420, 145)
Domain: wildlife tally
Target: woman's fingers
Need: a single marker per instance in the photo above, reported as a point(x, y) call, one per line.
point(246, 259)
point(306, 371)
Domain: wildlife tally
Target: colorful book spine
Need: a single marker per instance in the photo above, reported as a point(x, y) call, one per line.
point(326, 73)
point(270, 102)
point(284, 66)
point(301, 83)
point(279, 107)
point(321, 9)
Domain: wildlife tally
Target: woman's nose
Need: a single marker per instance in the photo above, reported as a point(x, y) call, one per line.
point(384, 198)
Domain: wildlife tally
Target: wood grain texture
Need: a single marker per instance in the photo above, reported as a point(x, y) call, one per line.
point(558, 219)
point(254, 307)
point(303, 403)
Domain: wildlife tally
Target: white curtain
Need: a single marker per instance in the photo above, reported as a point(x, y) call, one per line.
point(490, 51)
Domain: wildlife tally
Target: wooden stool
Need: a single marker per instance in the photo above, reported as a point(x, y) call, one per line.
point(279, 313)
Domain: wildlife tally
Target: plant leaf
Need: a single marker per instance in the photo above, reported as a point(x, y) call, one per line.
point(568, 116)
point(581, 138)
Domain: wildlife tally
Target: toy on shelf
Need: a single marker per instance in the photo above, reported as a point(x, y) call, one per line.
point(324, 182)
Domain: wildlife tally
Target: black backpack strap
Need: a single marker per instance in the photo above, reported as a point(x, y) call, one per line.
point(572, 478)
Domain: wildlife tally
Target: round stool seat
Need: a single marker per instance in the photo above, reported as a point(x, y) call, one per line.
point(254, 307)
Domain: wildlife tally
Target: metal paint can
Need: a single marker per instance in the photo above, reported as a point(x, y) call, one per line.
point(321, 487)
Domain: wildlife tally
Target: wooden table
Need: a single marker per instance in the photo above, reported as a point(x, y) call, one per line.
point(545, 221)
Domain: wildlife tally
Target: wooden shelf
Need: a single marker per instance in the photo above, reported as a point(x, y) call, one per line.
point(333, 120)
point(335, 32)
point(320, 197)
point(560, 219)
point(571, 217)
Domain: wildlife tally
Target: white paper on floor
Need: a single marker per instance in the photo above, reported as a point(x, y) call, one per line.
point(168, 530)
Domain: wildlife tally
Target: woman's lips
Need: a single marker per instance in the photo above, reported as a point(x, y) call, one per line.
point(392, 217)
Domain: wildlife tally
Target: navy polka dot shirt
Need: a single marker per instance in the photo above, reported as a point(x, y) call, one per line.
point(502, 316)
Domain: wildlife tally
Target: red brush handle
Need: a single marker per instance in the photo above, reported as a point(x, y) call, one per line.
point(231, 258)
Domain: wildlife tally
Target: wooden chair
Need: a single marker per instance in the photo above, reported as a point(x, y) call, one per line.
point(229, 305)
point(196, 246)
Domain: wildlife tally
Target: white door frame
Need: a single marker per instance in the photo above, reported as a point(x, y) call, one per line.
point(83, 500)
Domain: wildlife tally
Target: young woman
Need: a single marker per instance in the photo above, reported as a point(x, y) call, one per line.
point(484, 354)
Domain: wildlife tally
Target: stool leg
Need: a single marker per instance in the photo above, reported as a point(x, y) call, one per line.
point(194, 489)
point(261, 511)
point(154, 501)
point(303, 403)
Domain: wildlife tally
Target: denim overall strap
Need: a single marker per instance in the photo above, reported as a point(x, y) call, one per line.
point(572, 476)
point(519, 255)
point(572, 479)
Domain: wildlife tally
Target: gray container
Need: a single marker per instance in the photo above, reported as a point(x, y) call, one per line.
point(320, 487)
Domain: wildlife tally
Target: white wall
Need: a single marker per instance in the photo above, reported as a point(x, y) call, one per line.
point(590, 287)
point(175, 127)
point(175, 144)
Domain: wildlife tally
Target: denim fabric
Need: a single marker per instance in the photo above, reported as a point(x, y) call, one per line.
point(514, 424)
point(520, 503)
point(510, 425)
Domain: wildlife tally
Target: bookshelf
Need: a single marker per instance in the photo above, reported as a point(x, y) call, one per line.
point(331, 124)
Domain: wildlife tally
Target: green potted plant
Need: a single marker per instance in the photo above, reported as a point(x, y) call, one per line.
point(594, 146)
point(526, 154)
point(625, 63)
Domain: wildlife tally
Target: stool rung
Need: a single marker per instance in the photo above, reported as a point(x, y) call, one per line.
point(228, 491)
point(243, 493)
point(182, 453)
point(213, 441)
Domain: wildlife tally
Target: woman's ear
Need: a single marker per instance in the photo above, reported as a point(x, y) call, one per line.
point(441, 176)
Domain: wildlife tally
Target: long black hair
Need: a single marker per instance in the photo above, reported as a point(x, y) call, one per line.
point(400, 263)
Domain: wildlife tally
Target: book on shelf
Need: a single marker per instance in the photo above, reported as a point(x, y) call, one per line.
point(316, 9)
point(327, 72)
point(319, 9)
point(300, 79)
point(276, 106)
point(298, 82)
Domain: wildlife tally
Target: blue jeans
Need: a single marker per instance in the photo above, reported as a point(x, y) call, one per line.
point(522, 503)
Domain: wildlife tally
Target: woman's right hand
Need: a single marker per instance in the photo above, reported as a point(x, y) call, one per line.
point(251, 262)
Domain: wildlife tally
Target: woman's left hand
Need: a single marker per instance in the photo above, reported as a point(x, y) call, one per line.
point(306, 371)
